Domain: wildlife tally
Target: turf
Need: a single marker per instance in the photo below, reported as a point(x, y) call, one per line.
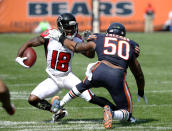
point(156, 62)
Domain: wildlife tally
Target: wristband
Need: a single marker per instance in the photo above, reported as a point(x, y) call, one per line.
point(75, 47)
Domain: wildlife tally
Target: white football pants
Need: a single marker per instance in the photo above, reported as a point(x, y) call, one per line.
point(50, 87)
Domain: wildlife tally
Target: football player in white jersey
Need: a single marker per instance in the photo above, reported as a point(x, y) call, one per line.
point(59, 59)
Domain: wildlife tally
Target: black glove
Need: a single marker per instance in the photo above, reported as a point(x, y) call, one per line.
point(86, 34)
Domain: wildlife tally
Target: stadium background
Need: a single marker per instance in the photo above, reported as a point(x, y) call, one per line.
point(25, 15)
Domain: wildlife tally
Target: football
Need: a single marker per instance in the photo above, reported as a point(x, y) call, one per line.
point(31, 56)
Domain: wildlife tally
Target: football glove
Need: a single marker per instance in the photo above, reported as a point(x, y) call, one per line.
point(141, 95)
point(144, 98)
point(86, 34)
point(20, 61)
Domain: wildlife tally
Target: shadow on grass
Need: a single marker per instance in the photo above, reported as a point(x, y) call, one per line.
point(116, 124)
point(138, 121)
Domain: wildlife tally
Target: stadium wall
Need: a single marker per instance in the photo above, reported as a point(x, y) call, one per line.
point(24, 15)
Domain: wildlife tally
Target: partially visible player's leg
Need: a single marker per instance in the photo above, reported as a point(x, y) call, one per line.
point(71, 82)
point(101, 101)
point(82, 91)
point(58, 115)
point(5, 99)
point(45, 89)
point(121, 95)
point(38, 103)
point(67, 82)
point(114, 83)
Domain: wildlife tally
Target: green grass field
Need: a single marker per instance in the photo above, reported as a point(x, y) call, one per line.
point(156, 62)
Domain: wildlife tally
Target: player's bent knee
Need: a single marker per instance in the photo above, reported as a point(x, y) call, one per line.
point(33, 100)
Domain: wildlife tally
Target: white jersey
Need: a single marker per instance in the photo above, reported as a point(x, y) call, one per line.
point(59, 58)
point(59, 68)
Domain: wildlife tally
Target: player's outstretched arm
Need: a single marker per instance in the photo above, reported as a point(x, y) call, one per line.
point(78, 47)
point(36, 41)
point(135, 68)
point(138, 74)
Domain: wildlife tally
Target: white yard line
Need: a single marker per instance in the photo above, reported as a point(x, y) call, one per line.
point(23, 95)
point(23, 85)
point(77, 125)
point(19, 92)
point(159, 91)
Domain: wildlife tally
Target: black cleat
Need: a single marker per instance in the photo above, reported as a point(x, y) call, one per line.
point(59, 115)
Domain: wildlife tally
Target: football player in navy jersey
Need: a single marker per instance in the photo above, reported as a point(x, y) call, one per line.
point(59, 59)
point(115, 54)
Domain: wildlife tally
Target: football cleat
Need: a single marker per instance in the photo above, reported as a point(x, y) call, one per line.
point(107, 117)
point(59, 115)
point(55, 104)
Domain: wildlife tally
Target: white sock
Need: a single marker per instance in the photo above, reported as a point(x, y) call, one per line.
point(121, 115)
point(69, 96)
point(75, 90)
point(65, 99)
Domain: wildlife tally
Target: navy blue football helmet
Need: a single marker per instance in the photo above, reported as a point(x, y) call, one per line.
point(116, 28)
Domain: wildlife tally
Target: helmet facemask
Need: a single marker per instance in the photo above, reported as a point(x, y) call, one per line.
point(116, 31)
point(68, 28)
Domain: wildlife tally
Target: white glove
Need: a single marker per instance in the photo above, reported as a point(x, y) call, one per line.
point(20, 61)
point(144, 98)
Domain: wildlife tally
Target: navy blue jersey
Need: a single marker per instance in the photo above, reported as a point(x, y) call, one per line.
point(116, 49)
